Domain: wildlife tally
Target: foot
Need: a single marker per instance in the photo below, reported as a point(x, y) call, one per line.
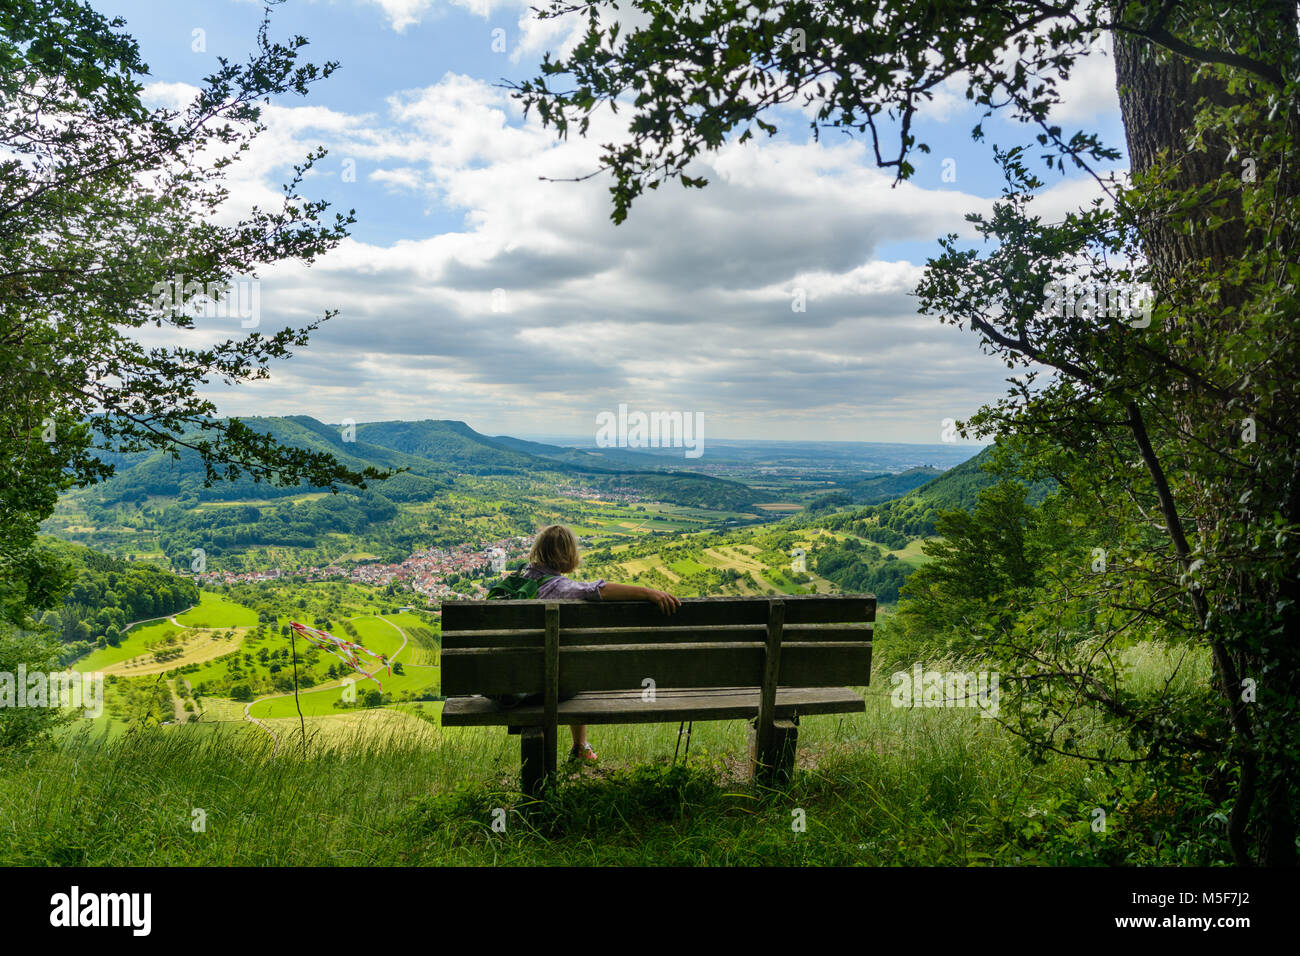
point(584, 753)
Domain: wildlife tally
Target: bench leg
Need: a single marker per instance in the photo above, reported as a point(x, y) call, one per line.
point(551, 743)
point(532, 760)
point(776, 768)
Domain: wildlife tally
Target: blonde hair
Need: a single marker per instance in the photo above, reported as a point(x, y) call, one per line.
point(556, 548)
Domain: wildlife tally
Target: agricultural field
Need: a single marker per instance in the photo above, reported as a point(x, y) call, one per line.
point(137, 643)
point(231, 658)
point(179, 648)
point(612, 521)
point(698, 567)
point(423, 634)
point(912, 553)
point(255, 502)
point(325, 702)
point(217, 611)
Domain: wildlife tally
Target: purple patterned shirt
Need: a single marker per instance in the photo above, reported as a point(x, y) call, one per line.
point(560, 587)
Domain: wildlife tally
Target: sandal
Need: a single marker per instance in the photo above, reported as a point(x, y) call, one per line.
point(587, 755)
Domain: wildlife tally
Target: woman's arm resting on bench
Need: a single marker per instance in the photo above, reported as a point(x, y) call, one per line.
point(631, 592)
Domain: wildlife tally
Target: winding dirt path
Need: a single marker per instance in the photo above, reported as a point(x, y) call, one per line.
point(274, 735)
point(166, 617)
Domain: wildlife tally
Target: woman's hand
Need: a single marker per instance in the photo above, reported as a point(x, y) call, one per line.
point(634, 592)
point(667, 603)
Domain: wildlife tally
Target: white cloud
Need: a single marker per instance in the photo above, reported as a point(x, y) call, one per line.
point(1090, 91)
point(686, 305)
point(404, 13)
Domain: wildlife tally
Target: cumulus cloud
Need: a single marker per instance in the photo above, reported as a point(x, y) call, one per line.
point(760, 300)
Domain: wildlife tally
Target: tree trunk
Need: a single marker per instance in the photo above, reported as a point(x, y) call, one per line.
point(1159, 95)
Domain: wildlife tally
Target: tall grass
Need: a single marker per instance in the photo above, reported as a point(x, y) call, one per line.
point(889, 786)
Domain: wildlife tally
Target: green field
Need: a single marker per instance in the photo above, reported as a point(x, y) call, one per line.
point(212, 670)
point(214, 611)
point(217, 611)
point(381, 635)
point(912, 553)
point(741, 561)
point(134, 643)
point(891, 786)
point(415, 652)
point(320, 703)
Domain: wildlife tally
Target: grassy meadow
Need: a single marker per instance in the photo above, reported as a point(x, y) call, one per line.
point(891, 786)
point(201, 716)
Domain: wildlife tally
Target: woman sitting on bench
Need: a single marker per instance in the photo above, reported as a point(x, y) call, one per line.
point(554, 555)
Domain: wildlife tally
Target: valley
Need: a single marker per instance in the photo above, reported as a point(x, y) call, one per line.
point(373, 565)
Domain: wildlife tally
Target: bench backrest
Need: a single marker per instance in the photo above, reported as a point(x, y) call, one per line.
point(500, 647)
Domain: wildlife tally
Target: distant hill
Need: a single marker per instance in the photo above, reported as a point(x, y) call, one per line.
point(433, 453)
point(699, 491)
point(585, 459)
point(832, 459)
point(912, 514)
point(956, 489)
point(157, 473)
point(960, 487)
point(451, 444)
point(875, 488)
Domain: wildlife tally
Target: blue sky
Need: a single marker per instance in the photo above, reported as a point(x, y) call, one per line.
point(471, 290)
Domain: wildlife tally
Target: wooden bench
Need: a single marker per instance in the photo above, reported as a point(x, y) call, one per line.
point(769, 660)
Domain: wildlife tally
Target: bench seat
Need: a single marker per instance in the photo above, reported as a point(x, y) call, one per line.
point(769, 660)
point(627, 707)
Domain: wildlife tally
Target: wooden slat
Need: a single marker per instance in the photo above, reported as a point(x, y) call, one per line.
point(694, 692)
point(551, 682)
point(612, 666)
point(694, 612)
point(669, 706)
point(771, 670)
point(750, 633)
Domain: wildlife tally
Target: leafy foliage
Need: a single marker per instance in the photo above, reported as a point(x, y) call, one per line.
point(1173, 436)
point(105, 594)
point(105, 202)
